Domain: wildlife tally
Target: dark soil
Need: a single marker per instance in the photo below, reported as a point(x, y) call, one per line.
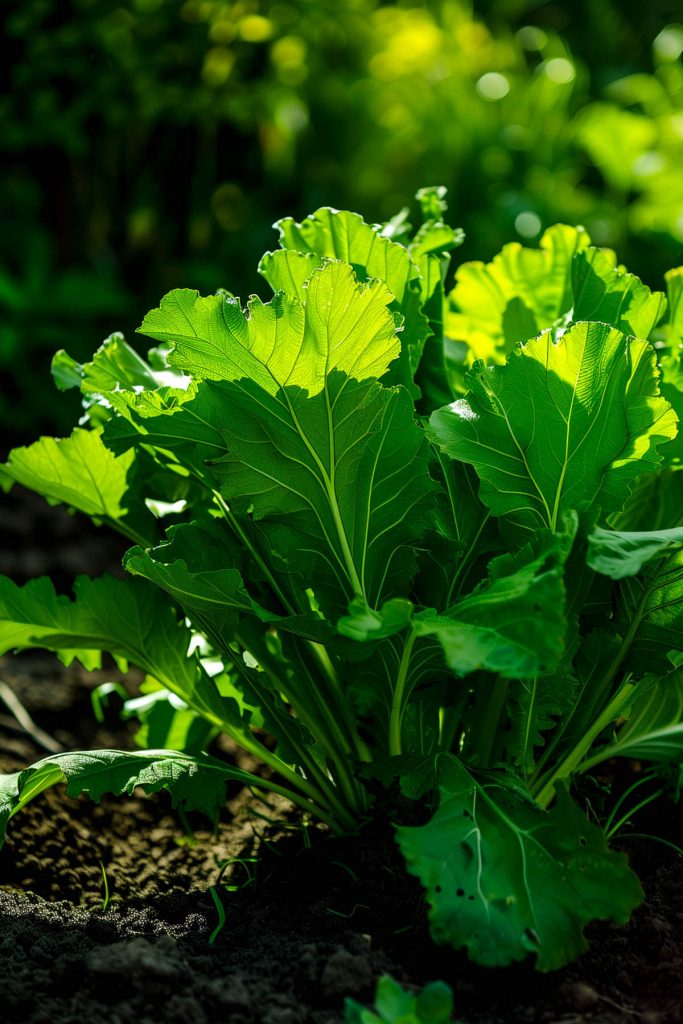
point(323, 919)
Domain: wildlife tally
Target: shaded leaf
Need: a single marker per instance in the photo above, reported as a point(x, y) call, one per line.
point(505, 879)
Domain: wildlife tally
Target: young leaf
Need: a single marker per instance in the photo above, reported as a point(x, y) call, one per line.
point(339, 235)
point(505, 879)
point(562, 426)
point(395, 1005)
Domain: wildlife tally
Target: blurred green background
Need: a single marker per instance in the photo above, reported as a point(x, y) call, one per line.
point(149, 144)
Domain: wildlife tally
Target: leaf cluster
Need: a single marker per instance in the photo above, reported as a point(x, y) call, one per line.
point(412, 587)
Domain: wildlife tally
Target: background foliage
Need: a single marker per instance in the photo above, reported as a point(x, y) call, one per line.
point(150, 144)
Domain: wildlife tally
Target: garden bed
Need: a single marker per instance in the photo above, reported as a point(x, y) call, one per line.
point(323, 920)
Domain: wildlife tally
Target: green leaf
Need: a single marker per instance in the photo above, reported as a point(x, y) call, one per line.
point(339, 235)
point(115, 365)
point(80, 472)
point(656, 503)
point(618, 553)
point(364, 624)
point(127, 618)
point(337, 484)
point(200, 568)
point(674, 296)
point(672, 360)
point(395, 1005)
point(500, 626)
point(505, 878)
point(185, 423)
point(562, 426)
point(609, 294)
point(650, 615)
point(653, 729)
point(289, 271)
point(494, 306)
point(196, 783)
point(343, 326)
point(537, 706)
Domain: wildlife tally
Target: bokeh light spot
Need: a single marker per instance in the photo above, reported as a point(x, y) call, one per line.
point(560, 70)
point(493, 86)
point(527, 224)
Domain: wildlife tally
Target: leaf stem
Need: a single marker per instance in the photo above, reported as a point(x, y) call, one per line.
point(253, 551)
point(396, 713)
point(572, 761)
point(489, 707)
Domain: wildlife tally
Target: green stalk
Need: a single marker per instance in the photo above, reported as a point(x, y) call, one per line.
point(465, 561)
point(544, 784)
point(396, 714)
point(545, 792)
point(326, 729)
point(253, 551)
point(324, 787)
point(489, 707)
point(326, 666)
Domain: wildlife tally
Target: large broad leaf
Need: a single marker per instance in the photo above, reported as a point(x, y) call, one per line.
point(338, 484)
point(620, 553)
point(329, 465)
point(609, 294)
point(562, 426)
point(523, 292)
point(672, 359)
point(516, 296)
point(80, 472)
point(500, 627)
point(343, 326)
point(196, 783)
point(186, 423)
point(126, 618)
point(505, 879)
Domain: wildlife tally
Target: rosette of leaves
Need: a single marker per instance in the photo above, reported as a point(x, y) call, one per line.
point(403, 600)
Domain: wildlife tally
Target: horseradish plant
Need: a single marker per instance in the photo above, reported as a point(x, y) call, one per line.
point(432, 548)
